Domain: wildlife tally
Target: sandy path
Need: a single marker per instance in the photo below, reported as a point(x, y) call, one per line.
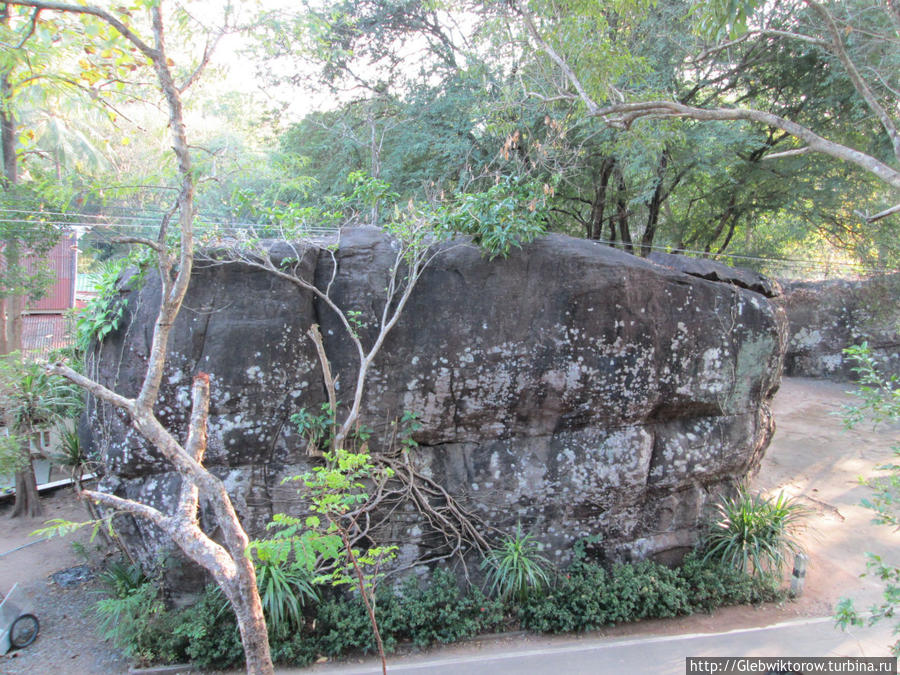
point(811, 457)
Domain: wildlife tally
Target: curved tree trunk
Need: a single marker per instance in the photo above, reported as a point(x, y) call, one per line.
point(245, 601)
point(27, 502)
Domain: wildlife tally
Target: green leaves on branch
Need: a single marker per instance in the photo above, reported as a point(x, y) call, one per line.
point(879, 394)
point(12, 459)
point(880, 402)
point(889, 575)
point(318, 430)
point(508, 214)
point(720, 19)
point(285, 582)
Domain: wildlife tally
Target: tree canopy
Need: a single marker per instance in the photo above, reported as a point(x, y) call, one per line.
point(745, 129)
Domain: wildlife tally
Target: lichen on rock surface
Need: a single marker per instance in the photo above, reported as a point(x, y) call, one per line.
point(826, 317)
point(571, 387)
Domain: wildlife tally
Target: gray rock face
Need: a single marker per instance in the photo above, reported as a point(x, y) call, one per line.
point(825, 317)
point(716, 271)
point(571, 387)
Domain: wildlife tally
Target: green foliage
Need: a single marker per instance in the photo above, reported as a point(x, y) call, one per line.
point(846, 614)
point(712, 585)
point(121, 579)
point(12, 458)
point(32, 396)
point(516, 569)
point(103, 313)
point(369, 192)
point(333, 491)
point(317, 429)
point(508, 214)
point(205, 634)
point(587, 596)
point(135, 618)
point(132, 621)
point(720, 19)
point(879, 402)
point(879, 394)
point(25, 237)
point(425, 611)
point(285, 585)
point(59, 527)
point(753, 533)
point(437, 611)
point(404, 429)
point(70, 453)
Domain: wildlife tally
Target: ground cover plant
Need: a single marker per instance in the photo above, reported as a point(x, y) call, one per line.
point(754, 533)
point(586, 595)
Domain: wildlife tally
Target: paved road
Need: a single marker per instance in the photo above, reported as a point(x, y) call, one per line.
point(653, 655)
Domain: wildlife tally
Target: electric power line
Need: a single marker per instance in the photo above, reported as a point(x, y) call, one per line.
point(203, 223)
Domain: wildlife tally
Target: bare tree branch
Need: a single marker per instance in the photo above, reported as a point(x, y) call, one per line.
point(788, 153)
point(34, 18)
point(722, 46)
point(559, 60)
point(155, 516)
point(142, 241)
point(624, 114)
point(884, 214)
point(93, 387)
point(173, 294)
point(208, 50)
point(124, 30)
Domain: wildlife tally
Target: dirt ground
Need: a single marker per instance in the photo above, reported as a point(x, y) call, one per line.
point(811, 457)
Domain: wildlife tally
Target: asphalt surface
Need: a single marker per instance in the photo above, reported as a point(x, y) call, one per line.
point(657, 655)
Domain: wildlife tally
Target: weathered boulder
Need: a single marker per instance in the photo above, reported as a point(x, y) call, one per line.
point(572, 387)
point(716, 271)
point(825, 317)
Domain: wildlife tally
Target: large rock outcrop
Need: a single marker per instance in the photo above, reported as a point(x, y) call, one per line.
point(572, 387)
point(825, 317)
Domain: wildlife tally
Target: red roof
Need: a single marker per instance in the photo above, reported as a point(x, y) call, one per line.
point(42, 333)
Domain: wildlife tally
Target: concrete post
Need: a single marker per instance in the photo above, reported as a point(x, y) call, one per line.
point(798, 578)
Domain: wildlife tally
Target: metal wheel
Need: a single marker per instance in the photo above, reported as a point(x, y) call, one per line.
point(23, 631)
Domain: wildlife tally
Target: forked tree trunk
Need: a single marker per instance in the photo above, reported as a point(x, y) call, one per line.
point(229, 563)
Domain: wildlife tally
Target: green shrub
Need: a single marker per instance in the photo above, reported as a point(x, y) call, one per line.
point(440, 612)
point(755, 534)
point(712, 585)
point(516, 569)
point(285, 585)
point(342, 625)
point(207, 632)
point(646, 590)
point(577, 601)
point(584, 597)
point(135, 622)
point(121, 578)
point(587, 597)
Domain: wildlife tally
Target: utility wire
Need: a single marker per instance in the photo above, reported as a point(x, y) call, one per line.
point(246, 225)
